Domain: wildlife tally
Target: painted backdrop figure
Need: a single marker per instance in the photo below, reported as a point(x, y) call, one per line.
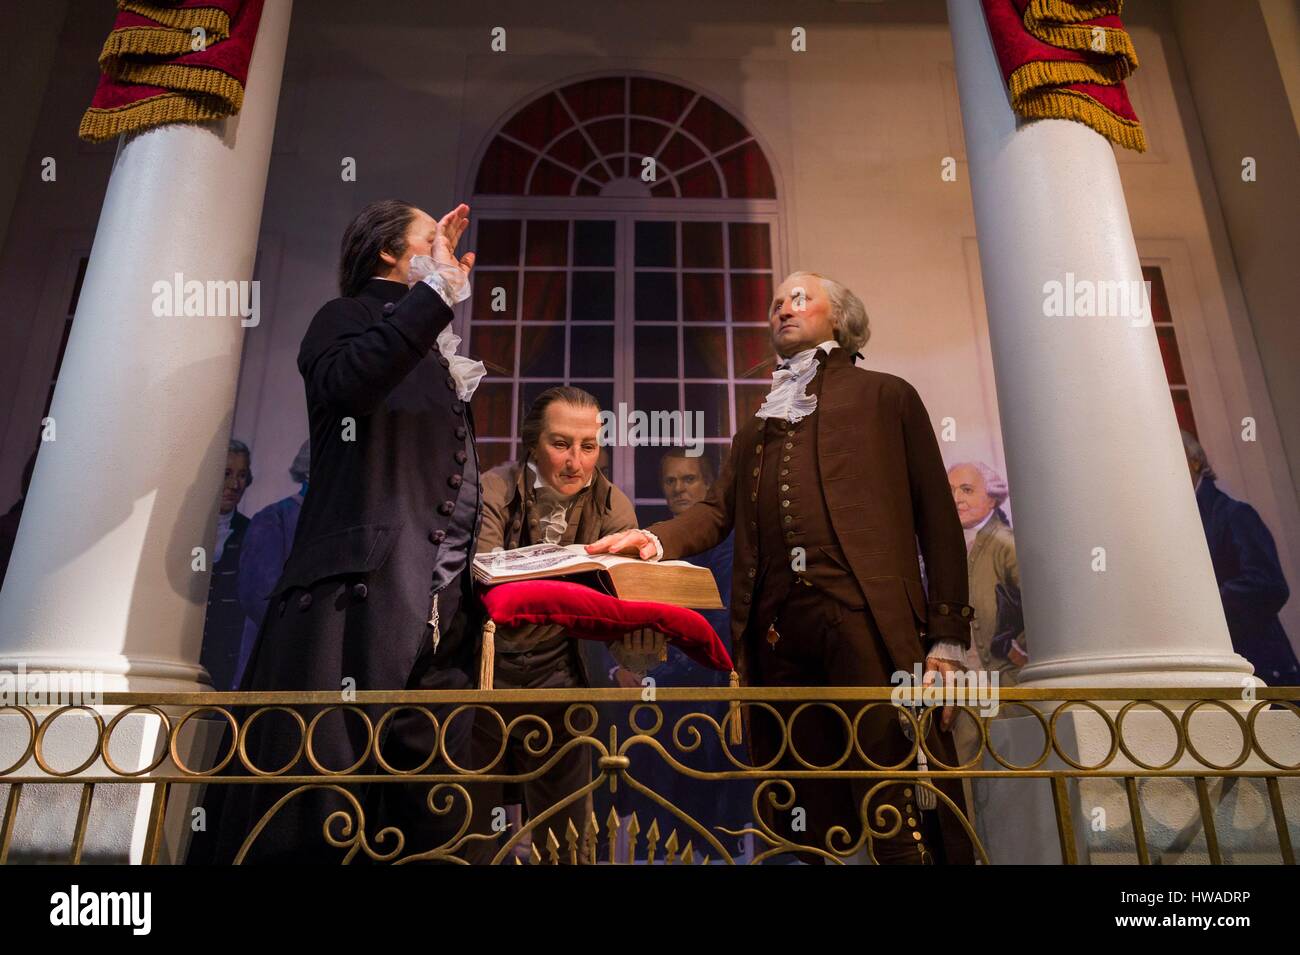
point(1246, 566)
point(375, 593)
point(829, 488)
point(979, 493)
point(223, 625)
point(266, 548)
point(685, 482)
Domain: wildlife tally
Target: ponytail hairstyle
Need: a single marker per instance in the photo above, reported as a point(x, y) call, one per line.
point(379, 227)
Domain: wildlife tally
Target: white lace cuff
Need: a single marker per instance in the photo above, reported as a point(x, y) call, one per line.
point(659, 547)
point(949, 650)
point(450, 282)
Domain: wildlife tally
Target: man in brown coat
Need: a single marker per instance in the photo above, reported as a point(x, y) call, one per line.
point(555, 495)
point(829, 488)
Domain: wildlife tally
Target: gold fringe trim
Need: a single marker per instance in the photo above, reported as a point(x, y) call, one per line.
point(1071, 11)
point(99, 125)
point(1071, 104)
point(202, 80)
point(487, 656)
point(1030, 77)
point(215, 22)
point(1118, 43)
point(149, 41)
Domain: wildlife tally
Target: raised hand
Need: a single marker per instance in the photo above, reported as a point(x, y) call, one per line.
point(450, 228)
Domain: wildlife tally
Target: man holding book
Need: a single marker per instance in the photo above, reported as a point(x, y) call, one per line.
point(829, 488)
point(555, 495)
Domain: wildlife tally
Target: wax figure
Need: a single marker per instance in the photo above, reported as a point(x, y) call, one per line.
point(829, 489)
point(556, 495)
point(375, 594)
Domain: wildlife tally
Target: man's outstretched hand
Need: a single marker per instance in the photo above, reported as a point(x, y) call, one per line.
point(631, 543)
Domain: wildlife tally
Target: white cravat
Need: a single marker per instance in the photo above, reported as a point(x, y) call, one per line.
point(552, 506)
point(789, 398)
point(970, 533)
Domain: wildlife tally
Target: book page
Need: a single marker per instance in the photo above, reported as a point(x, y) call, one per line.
point(610, 560)
point(535, 558)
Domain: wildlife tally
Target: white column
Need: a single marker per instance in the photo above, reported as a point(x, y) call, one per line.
point(101, 574)
point(1092, 446)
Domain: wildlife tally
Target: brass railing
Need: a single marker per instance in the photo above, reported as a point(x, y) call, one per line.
point(615, 725)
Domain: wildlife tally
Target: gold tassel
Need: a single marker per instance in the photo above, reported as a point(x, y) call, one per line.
point(733, 711)
point(487, 655)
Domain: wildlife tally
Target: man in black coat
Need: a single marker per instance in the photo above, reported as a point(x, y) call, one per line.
point(1249, 574)
point(376, 591)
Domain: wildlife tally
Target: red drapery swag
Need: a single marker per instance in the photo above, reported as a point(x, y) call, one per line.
point(181, 61)
point(1068, 59)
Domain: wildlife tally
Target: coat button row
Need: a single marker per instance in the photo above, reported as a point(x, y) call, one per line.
point(461, 457)
point(455, 480)
point(437, 537)
point(389, 308)
point(446, 507)
point(304, 601)
point(360, 591)
point(451, 385)
point(461, 432)
point(457, 407)
point(442, 360)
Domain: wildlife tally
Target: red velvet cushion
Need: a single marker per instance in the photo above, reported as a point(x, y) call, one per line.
point(592, 615)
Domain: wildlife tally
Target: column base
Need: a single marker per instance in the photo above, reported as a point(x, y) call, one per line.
point(117, 826)
point(1212, 670)
point(1016, 820)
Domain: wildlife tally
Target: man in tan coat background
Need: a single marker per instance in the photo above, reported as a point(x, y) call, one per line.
point(829, 488)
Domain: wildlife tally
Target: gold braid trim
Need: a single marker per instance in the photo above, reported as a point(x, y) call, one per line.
point(1036, 74)
point(215, 22)
point(203, 80)
point(151, 41)
point(98, 125)
point(1071, 104)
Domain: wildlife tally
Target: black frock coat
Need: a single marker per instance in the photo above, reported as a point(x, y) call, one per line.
point(389, 443)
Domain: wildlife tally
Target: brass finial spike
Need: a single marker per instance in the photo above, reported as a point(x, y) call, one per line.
point(688, 854)
point(633, 830)
point(652, 840)
point(670, 846)
point(552, 846)
point(534, 854)
point(612, 825)
point(591, 837)
point(571, 841)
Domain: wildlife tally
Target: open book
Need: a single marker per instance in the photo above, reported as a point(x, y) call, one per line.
point(667, 581)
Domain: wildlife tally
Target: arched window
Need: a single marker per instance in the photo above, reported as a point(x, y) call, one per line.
point(627, 236)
